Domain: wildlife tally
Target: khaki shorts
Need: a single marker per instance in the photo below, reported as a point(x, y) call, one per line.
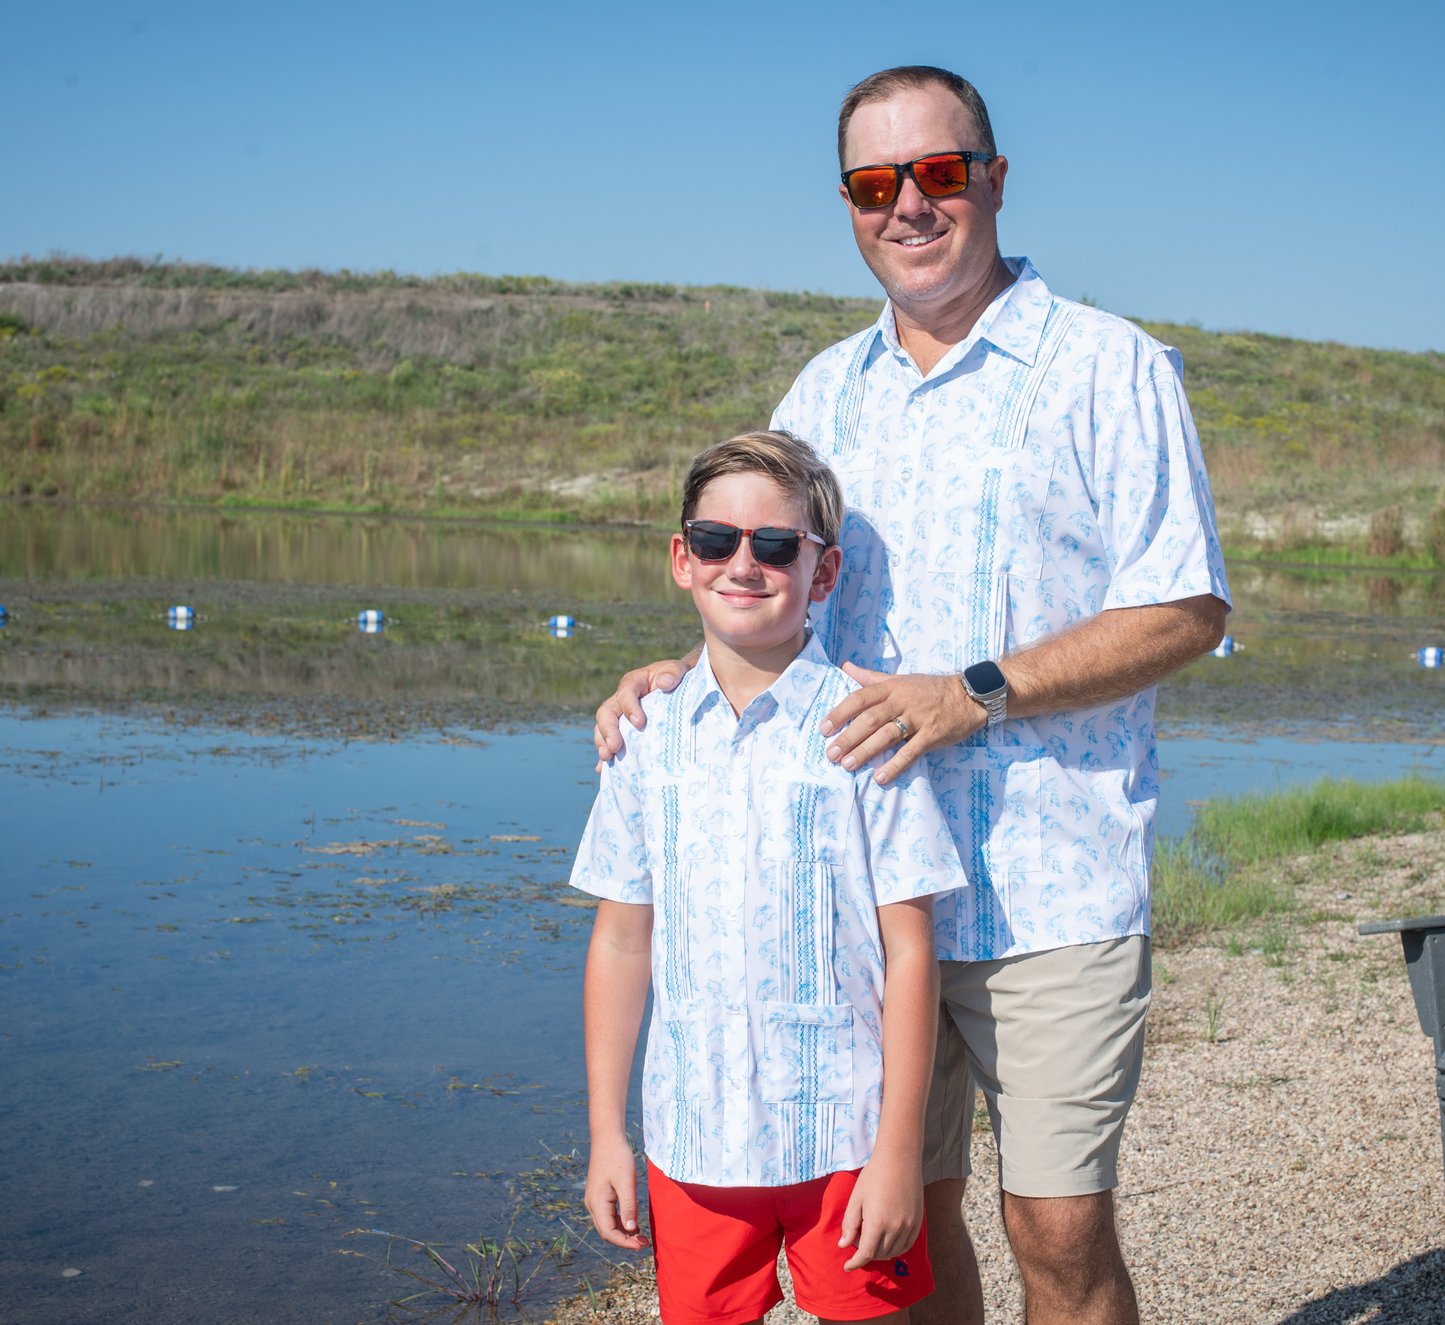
point(1055, 1041)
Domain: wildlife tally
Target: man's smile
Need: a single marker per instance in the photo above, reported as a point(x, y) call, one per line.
point(918, 241)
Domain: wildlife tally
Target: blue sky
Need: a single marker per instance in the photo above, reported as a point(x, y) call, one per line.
point(1271, 166)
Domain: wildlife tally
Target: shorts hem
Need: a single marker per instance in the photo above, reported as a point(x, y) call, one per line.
point(738, 1317)
point(1080, 1182)
point(825, 1312)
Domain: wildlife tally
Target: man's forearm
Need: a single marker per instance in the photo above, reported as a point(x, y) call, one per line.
point(1111, 656)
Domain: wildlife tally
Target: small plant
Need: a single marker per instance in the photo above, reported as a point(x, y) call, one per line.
point(1213, 1017)
point(1236, 946)
point(1435, 531)
point(1275, 942)
point(1387, 532)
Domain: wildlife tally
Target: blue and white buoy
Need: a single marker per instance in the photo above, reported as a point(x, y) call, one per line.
point(562, 627)
point(1432, 657)
point(2, 614)
point(181, 618)
point(371, 621)
point(1226, 647)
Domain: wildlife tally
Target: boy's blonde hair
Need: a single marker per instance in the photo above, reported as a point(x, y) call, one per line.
point(788, 460)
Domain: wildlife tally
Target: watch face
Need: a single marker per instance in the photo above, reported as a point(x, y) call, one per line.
point(984, 678)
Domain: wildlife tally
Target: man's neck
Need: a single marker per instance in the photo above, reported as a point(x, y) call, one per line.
point(927, 333)
point(743, 674)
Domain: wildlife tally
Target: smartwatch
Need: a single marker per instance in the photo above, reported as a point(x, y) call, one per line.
point(986, 683)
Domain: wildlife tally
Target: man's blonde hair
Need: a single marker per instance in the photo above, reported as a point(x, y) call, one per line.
point(789, 461)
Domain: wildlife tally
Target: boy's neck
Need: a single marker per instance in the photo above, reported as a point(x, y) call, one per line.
point(743, 674)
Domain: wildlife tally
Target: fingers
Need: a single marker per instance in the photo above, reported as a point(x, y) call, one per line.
point(869, 1249)
point(863, 675)
point(847, 711)
point(615, 1218)
point(852, 1223)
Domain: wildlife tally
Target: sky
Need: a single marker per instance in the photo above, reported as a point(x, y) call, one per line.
point(1270, 166)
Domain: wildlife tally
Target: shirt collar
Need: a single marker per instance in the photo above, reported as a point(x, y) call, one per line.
point(1013, 323)
point(793, 692)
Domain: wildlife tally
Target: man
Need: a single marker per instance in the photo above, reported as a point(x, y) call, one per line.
point(1030, 547)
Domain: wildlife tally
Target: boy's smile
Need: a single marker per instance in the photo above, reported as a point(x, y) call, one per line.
point(752, 613)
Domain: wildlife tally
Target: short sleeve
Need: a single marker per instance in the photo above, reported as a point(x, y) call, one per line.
point(612, 860)
point(911, 852)
point(1156, 510)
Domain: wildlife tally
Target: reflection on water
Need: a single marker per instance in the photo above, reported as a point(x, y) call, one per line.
point(96, 542)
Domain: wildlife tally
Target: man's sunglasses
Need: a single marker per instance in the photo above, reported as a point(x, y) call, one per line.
point(711, 540)
point(937, 176)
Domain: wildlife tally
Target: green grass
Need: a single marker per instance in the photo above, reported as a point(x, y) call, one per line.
point(478, 393)
point(1212, 879)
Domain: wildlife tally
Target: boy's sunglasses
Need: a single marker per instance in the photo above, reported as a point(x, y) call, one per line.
point(711, 540)
point(937, 176)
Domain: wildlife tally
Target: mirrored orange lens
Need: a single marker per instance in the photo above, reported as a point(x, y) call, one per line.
point(872, 188)
point(941, 175)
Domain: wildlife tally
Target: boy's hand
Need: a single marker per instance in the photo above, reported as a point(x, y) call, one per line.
point(665, 675)
point(611, 1197)
point(885, 1212)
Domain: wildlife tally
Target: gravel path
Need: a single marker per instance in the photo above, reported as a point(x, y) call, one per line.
point(1283, 1160)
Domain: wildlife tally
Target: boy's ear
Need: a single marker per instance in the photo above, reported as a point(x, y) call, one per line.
point(681, 565)
point(825, 577)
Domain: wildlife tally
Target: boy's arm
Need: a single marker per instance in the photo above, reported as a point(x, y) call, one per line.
point(619, 968)
point(885, 1212)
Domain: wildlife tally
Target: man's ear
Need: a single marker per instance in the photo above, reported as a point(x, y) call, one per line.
point(825, 576)
point(681, 565)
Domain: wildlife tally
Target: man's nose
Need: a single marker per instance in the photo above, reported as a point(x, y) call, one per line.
point(911, 200)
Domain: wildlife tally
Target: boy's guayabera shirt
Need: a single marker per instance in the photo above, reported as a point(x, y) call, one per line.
point(765, 866)
point(1046, 470)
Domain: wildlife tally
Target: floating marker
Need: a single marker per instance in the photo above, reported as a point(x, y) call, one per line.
point(1226, 647)
point(181, 618)
point(2, 614)
point(562, 627)
point(1430, 657)
point(371, 621)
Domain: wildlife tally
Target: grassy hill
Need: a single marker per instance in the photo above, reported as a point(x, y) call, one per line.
point(526, 397)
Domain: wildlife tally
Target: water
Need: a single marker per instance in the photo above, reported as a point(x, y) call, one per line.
point(263, 927)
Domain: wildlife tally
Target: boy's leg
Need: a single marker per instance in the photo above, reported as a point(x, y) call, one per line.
point(716, 1251)
point(812, 1215)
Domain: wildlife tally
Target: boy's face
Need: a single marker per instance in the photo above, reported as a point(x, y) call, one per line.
point(744, 604)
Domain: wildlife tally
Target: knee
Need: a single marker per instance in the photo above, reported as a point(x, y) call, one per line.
point(1068, 1239)
point(943, 1201)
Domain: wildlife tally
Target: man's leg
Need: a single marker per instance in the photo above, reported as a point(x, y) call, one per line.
point(1055, 1040)
point(1068, 1254)
point(957, 1290)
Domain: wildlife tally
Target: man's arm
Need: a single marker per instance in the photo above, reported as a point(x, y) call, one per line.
point(665, 675)
point(1111, 656)
point(619, 968)
point(885, 1212)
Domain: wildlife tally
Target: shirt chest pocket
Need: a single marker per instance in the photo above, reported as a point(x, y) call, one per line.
point(806, 1053)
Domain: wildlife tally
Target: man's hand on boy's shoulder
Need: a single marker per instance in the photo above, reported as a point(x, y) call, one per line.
point(627, 702)
point(885, 1212)
point(936, 711)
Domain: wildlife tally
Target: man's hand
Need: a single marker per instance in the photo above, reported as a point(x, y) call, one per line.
point(665, 675)
point(937, 711)
point(885, 1212)
point(611, 1196)
point(1108, 657)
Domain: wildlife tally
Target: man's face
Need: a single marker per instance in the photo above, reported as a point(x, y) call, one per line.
point(924, 251)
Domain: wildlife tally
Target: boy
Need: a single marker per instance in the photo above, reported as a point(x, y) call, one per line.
point(763, 891)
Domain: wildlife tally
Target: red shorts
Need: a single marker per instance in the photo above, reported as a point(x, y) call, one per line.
point(717, 1253)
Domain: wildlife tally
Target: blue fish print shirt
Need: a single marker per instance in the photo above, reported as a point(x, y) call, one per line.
point(1045, 471)
point(765, 866)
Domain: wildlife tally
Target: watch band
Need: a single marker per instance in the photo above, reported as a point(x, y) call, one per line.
point(995, 703)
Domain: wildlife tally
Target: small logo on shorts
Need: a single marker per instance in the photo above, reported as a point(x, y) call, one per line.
point(900, 1267)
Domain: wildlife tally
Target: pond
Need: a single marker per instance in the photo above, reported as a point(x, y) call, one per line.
point(290, 951)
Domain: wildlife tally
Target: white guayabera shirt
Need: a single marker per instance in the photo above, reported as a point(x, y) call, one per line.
point(765, 866)
point(1046, 470)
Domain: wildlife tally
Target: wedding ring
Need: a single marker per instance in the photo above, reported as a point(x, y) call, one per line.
point(903, 729)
